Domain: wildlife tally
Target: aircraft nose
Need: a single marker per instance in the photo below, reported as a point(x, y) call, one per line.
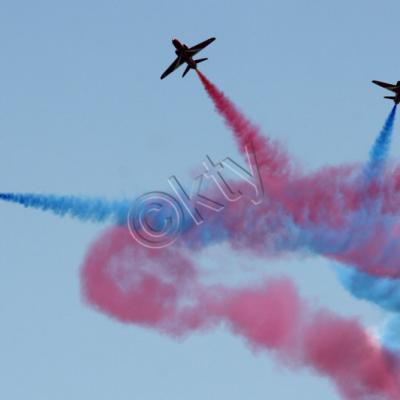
point(176, 43)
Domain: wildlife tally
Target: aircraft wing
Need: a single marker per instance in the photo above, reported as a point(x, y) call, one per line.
point(176, 64)
point(388, 86)
point(200, 46)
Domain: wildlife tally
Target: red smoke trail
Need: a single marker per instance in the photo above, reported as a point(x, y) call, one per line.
point(163, 290)
point(304, 197)
point(270, 156)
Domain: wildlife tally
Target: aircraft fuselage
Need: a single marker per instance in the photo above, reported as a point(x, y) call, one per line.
point(395, 98)
point(395, 88)
point(181, 51)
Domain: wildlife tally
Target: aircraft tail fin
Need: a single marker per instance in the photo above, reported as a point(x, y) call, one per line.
point(390, 97)
point(200, 60)
point(186, 71)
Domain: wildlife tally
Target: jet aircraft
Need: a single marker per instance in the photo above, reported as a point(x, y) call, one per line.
point(185, 55)
point(394, 88)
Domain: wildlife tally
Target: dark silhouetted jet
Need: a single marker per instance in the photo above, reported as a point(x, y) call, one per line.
point(394, 88)
point(185, 55)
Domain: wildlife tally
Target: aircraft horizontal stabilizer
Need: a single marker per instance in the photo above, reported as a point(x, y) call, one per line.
point(200, 60)
point(186, 71)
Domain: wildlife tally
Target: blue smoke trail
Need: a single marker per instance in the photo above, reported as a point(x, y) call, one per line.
point(85, 209)
point(384, 292)
point(380, 150)
point(391, 333)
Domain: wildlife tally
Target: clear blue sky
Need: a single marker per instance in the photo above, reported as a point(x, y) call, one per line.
point(83, 111)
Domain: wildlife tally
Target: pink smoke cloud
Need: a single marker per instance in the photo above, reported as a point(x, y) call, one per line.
point(162, 289)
